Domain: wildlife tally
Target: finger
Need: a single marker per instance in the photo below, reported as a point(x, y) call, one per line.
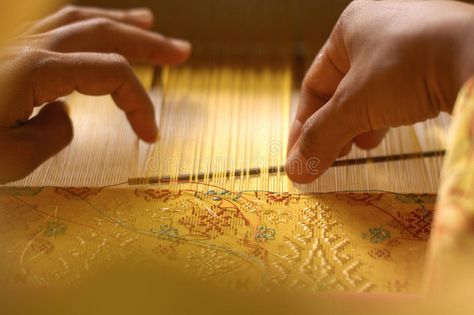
point(35, 142)
point(321, 81)
point(105, 35)
point(371, 139)
point(57, 75)
point(325, 135)
point(140, 17)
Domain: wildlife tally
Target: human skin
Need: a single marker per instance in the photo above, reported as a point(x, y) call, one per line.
point(82, 49)
point(385, 64)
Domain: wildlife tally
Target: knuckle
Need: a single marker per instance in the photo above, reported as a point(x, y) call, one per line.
point(29, 52)
point(32, 57)
point(348, 15)
point(102, 24)
point(71, 13)
point(353, 7)
point(120, 65)
point(118, 60)
point(41, 59)
point(44, 78)
point(308, 88)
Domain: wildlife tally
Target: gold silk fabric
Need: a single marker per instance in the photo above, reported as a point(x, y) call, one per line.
point(249, 240)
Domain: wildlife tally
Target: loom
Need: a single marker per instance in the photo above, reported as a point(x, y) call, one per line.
point(228, 109)
point(224, 118)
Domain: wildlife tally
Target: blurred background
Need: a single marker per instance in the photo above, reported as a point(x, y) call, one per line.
point(301, 23)
point(269, 25)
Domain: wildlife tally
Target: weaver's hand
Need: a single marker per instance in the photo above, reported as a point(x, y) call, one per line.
point(386, 64)
point(77, 49)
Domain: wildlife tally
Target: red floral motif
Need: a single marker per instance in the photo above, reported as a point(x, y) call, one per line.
point(156, 195)
point(414, 224)
point(359, 198)
point(212, 221)
point(278, 198)
point(378, 253)
point(77, 193)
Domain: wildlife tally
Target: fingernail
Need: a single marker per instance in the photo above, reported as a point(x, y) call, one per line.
point(181, 44)
point(142, 14)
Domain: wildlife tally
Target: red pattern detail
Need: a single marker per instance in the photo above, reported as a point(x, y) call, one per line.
point(73, 193)
point(378, 253)
point(359, 198)
point(415, 224)
point(157, 195)
point(212, 222)
point(278, 198)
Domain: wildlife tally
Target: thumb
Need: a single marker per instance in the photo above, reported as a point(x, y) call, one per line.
point(30, 145)
point(325, 135)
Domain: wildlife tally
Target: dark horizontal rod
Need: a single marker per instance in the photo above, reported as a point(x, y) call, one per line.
point(280, 169)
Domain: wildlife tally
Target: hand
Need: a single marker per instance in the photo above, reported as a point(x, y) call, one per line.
point(386, 64)
point(76, 49)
